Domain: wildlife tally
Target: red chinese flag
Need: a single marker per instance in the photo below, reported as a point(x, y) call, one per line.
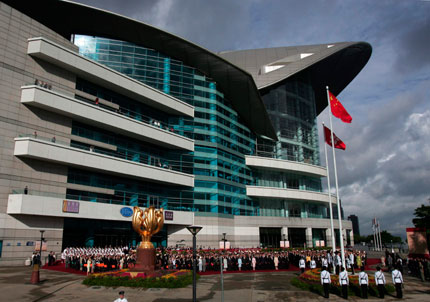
point(337, 142)
point(338, 110)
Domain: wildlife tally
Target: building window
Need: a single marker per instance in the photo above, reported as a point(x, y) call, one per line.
point(294, 210)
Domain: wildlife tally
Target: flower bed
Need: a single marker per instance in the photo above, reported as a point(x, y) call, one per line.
point(310, 280)
point(160, 279)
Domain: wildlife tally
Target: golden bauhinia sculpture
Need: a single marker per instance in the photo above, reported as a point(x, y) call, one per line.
point(147, 223)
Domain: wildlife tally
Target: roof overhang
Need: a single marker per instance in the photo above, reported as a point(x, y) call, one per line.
point(334, 65)
point(335, 71)
point(67, 18)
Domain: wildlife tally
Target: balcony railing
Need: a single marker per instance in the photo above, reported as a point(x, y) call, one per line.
point(143, 158)
point(113, 107)
point(93, 100)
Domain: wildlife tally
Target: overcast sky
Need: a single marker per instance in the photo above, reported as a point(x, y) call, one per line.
point(385, 171)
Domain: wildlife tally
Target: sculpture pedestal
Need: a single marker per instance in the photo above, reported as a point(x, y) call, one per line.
point(35, 275)
point(145, 261)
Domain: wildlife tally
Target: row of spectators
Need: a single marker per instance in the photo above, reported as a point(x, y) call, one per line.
point(95, 260)
point(103, 259)
point(419, 268)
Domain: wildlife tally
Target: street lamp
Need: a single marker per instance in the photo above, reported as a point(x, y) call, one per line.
point(35, 275)
point(221, 262)
point(194, 230)
point(41, 242)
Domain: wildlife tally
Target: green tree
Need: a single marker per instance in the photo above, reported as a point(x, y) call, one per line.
point(358, 238)
point(387, 238)
point(422, 215)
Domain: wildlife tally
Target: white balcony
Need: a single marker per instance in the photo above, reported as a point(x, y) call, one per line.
point(79, 110)
point(285, 165)
point(63, 154)
point(280, 193)
point(97, 73)
point(20, 204)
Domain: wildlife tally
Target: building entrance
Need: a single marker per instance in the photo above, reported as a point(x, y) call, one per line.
point(270, 237)
point(297, 237)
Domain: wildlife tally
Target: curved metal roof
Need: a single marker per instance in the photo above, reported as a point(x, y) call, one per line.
point(334, 65)
point(238, 73)
point(67, 18)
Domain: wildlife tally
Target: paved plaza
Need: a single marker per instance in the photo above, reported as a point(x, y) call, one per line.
point(250, 287)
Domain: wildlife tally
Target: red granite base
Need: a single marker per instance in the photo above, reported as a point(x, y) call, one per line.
point(145, 261)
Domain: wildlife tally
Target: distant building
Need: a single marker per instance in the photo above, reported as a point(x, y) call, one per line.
point(355, 224)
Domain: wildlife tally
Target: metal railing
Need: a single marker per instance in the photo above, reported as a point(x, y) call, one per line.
point(284, 156)
point(133, 156)
point(123, 111)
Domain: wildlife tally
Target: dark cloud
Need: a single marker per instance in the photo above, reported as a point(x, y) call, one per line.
point(126, 7)
point(413, 47)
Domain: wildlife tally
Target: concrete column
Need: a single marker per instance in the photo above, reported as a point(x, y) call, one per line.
point(351, 234)
point(329, 241)
point(309, 242)
point(284, 231)
point(344, 236)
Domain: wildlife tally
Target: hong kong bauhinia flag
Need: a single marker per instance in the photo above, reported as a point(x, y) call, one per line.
point(338, 110)
point(337, 142)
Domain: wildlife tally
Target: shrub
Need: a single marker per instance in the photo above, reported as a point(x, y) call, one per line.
point(167, 281)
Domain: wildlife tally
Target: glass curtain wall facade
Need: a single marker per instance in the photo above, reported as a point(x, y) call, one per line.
point(221, 140)
point(291, 107)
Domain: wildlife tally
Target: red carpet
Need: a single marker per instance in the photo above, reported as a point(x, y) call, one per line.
point(372, 263)
point(61, 267)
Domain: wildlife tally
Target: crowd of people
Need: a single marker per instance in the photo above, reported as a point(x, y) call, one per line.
point(419, 267)
point(93, 260)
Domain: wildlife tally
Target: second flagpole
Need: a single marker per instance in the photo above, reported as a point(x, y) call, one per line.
point(342, 250)
point(333, 237)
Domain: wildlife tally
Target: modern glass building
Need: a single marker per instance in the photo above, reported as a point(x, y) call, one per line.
point(103, 113)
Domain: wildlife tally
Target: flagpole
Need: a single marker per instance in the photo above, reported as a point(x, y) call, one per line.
point(333, 237)
point(380, 238)
point(342, 250)
point(377, 235)
point(378, 241)
point(374, 231)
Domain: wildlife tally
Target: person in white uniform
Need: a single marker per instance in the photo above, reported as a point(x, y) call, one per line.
point(363, 281)
point(344, 282)
point(380, 282)
point(302, 265)
point(325, 281)
point(397, 281)
point(313, 264)
point(121, 297)
point(352, 262)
